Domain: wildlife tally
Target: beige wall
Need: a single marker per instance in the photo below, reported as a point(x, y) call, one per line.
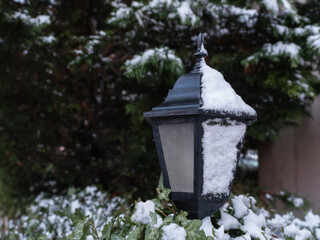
point(292, 162)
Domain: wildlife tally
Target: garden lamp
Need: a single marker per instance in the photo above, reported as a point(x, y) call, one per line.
point(198, 131)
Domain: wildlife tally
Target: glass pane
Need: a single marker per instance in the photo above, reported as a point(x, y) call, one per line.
point(178, 150)
point(220, 154)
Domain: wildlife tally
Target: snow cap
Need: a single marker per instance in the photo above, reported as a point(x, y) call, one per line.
point(217, 95)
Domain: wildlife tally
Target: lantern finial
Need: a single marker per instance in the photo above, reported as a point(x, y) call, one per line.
point(200, 53)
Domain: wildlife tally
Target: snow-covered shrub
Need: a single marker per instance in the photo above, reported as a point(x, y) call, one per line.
point(240, 218)
point(49, 218)
point(97, 217)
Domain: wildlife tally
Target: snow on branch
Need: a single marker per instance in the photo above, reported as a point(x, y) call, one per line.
point(245, 16)
point(276, 6)
point(156, 56)
point(280, 48)
point(314, 42)
point(274, 51)
point(121, 12)
point(37, 21)
point(221, 13)
point(186, 14)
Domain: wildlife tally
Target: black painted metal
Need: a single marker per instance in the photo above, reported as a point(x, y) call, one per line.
point(183, 104)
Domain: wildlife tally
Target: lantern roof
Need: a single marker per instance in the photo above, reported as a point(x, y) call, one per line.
point(203, 91)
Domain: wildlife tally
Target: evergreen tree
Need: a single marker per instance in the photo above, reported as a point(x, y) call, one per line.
point(76, 77)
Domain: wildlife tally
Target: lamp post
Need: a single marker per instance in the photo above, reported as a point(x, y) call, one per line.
point(198, 132)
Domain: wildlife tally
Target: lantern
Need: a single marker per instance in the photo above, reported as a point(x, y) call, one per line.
point(198, 132)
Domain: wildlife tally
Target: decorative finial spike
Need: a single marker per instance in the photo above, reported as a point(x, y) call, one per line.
point(201, 52)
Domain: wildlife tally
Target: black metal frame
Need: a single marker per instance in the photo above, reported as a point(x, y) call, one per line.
point(183, 105)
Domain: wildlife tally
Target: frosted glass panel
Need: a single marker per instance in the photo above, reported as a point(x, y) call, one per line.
point(178, 150)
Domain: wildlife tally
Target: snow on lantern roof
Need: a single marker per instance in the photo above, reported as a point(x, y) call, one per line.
point(218, 95)
point(203, 91)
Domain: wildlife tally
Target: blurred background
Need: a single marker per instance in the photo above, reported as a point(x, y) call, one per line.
point(77, 75)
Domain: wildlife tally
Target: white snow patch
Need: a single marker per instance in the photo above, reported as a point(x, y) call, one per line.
point(42, 19)
point(291, 230)
point(159, 222)
point(91, 43)
point(39, 20)
point(264, 212)
point(240, 209)
point(268, 196)
point(297, 233)
point(219, 233)
point(74, 205)
point(142, 213)
point(246, 16)
point(257, 219)
point(314, 41)
point(220, 157)
point(297, 202)
point(173, 232)
point(278, 222)
point(218, 95)
point(207, 226)
point(303, 234)
point(253, 230)
point(281, 29)
point(122, 12)
point(78, 51)
point(90, 237)
point(299, 31)
point(287, 6)
point(313, 29)
point(158, 53)
point(311, 220)
point(48, 39)
point(228, 221)
point(271, 5)
point(203, 50)
point(186, 13)
point(279, 48)
point(248, 201)
point(318, 233)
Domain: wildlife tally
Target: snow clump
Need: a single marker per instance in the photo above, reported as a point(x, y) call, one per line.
point(142, 213)
point(173, 232)
point(207, 226)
